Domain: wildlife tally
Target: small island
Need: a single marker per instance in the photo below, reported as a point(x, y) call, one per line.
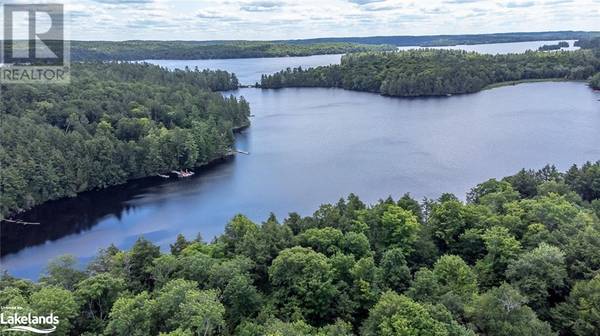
point(551, 47)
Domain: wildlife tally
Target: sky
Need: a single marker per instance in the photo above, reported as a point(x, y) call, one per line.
point(296, 19)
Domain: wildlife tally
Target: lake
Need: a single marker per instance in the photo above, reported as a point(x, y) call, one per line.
point(249, 70)
point(502, 48)
point(310, 146)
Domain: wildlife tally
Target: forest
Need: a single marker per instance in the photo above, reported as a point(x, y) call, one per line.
point(590, 43)
point(112, 123)
point(451, 40)
point(434, 72)
point(144, 50)
point(518, 258)
point(557, 46)
point(183, 50)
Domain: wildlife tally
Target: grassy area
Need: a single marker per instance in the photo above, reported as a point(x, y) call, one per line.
point(524, 81)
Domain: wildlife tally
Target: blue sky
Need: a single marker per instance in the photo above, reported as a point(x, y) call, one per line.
point(292, 19)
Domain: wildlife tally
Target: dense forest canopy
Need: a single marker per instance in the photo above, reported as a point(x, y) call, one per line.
point(432, 72)
point(143, 50)
point(450, 40)
point(590, 43)
point(113, 122)
point(519, 258)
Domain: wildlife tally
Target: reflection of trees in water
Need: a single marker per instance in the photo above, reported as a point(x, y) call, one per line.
point(74, 215)
point(68, 216)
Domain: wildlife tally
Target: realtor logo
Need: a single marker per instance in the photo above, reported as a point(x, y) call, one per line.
point(34, 49)
point(16, 319)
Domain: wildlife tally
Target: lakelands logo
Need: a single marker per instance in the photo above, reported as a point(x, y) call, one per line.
point(34, 48)
point(27, 322)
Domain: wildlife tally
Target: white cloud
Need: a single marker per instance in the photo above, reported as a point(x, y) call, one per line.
point(519, 4)
point(292, 19)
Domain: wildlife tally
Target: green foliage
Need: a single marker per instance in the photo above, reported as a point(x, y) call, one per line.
point(453, 275)
point(57, 141)
point(397, 315)
point(142, 50)
point(163, 268)
point(582, 253)
point(557, 46)
point(588, 43)
point(580, 314)
point(584, 180)
point(395, 273)
point(135, 316)
point(495, 194)
point(58, 301)
point(62, 272)
point(302, 282)
point(391, 226)
point(237, 233)
point(201, 312)
point(275, 327)
point(449, 219)
point(502, 311)
point(327, 240)
point(451, 282)
point(96, 296)
point(537, 272)
point(139, 264)
point(595, 81)
point(521, 257)
point(241, 299)
point(502, 248)
point(434, 72)
point(452, 40)
point(180, 244)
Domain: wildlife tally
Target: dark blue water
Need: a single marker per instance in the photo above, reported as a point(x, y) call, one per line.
point(312, 146)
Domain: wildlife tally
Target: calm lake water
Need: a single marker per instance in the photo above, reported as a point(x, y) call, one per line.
point(249, 70)
point(312, 146)
point(503, 48)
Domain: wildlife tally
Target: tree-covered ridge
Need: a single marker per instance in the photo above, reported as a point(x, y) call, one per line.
point(520, 258)
point(589, 43)
point(113, 122)
point(433, 72)
point(143, 50)
point(451, 40)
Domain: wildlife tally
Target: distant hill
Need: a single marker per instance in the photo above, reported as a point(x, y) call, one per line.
point(448, 40)
point(142, 50)
point(220, 49)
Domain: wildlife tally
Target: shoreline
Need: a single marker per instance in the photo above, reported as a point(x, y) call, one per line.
point(487, 87)
point(15, 215)
point(525, 81)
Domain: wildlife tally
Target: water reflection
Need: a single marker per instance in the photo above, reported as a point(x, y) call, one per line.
point(72, 216)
